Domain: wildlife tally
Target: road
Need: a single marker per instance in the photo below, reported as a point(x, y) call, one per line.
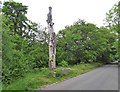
point(103, 78)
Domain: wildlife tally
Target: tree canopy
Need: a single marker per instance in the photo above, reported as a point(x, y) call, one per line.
point(112, 22)
point(85, 42)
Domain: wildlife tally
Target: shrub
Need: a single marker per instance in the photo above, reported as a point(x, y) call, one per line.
point(63, 64)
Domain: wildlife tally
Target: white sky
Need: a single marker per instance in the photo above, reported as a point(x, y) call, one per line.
point(66, 12)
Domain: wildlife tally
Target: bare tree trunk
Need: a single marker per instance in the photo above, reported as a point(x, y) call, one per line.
point(51, 40)
point(52, 48)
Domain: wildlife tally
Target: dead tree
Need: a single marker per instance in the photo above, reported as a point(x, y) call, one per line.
point(51, 41)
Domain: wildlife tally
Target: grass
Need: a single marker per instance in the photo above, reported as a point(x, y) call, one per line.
point(44, 76)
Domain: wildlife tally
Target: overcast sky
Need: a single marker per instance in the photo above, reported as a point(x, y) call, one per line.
point(66, 12)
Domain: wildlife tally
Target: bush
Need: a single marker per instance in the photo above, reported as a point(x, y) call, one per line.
point(63, 64)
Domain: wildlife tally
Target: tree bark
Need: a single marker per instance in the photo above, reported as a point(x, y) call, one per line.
point(52, 48)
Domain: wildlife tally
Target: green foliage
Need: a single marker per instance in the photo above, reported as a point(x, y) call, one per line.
point(112, 21)
point(112, 17)
point(13, 59)
point(36, 80)
point(16, 14)
point(63, 63)
point(85, 42)
point(22, 51)
point(25, 46)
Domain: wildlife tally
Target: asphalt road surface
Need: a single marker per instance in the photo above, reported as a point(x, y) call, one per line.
point(103, 78)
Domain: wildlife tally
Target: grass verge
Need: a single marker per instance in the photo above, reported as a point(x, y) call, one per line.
point(44, 76)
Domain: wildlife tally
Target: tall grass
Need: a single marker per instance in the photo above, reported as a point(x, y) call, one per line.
point(44, 76)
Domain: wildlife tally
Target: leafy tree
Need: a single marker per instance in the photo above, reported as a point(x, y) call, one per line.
point(14, 63)
point(113, 23)
point(16, 14)
point(84, 42)
point(24, 47)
